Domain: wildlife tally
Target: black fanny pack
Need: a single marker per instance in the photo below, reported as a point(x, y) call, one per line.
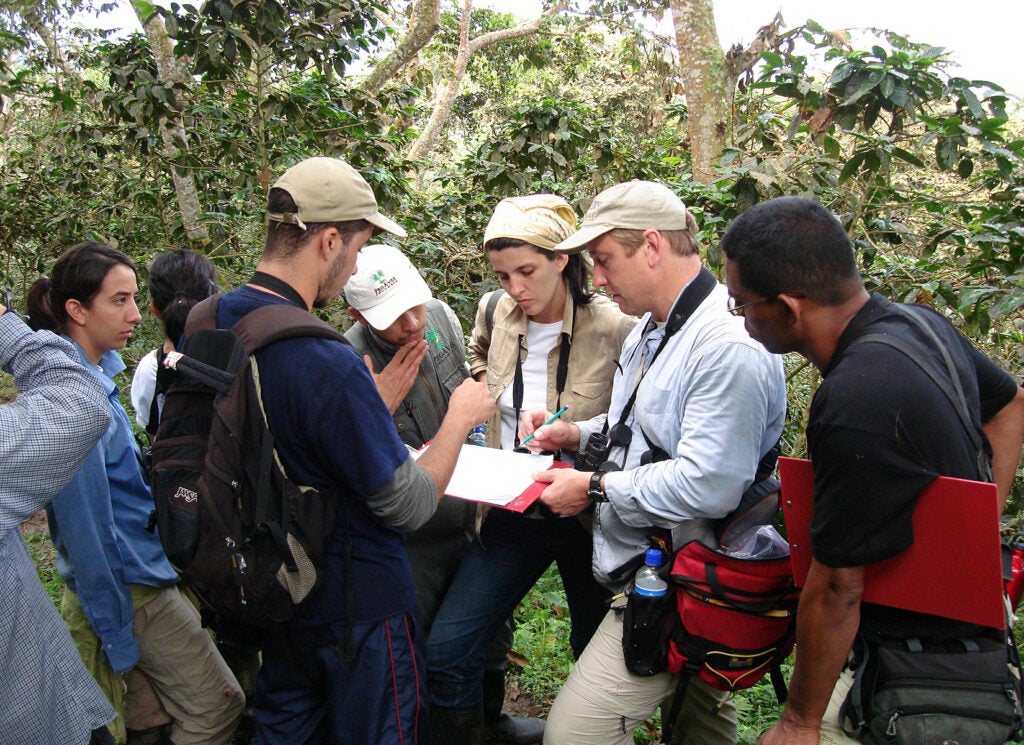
point(914, 692)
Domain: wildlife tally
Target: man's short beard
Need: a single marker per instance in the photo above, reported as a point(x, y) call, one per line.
point(337, 266)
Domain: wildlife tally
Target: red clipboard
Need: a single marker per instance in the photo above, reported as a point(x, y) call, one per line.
point(953, 568)
point(531, 493)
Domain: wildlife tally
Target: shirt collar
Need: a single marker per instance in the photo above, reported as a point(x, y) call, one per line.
point(876, 305)
point(110, 365)
point(517, 319)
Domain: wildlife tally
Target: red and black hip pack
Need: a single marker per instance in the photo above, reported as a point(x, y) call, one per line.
point(736, 616)
point(735, 621)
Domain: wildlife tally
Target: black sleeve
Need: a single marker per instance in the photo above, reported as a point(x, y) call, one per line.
point(996, 387)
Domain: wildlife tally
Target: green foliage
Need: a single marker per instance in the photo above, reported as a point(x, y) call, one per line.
point(542, 637)
point(861, 139)
point(224, 37)
point(42, 552)
point(758, 708)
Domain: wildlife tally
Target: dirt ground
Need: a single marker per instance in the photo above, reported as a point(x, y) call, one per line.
point(518, 702)
point(35, 524)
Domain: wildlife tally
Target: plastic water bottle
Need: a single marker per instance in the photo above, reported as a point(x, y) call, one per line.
point(478, 435)
point(647, 581)
point(645, 638)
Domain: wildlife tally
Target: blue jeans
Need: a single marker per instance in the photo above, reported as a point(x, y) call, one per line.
point(495, 575)
point(309, 694)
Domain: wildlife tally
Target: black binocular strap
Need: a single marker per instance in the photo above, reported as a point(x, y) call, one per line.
point(695, 294)
point(561, 374)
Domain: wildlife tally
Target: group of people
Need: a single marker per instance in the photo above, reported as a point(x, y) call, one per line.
point(406, 640)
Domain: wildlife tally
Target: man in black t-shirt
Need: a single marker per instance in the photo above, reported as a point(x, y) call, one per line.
point(879, 431)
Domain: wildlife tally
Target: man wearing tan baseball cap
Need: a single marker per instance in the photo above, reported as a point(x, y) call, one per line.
point(633, 205)
point(333, 431)
point(696, 407)
point(327, 190)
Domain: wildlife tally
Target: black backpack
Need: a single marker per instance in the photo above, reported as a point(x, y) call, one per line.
point(243, 536)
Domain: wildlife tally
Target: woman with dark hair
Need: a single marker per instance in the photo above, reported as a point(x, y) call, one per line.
point(546, 340)
point(177, 281)
point(138, 635)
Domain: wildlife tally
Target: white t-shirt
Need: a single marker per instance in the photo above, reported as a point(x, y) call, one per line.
point(143, 387)
point(541, 338)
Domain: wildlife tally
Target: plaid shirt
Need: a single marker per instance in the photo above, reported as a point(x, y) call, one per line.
point(48, 697)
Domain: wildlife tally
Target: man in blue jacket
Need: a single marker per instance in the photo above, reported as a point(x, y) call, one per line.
point(344, 668)
point(414, 347)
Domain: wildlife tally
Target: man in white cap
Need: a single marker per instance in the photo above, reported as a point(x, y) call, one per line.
point(697, 407)
point(344, 668)
point(414, 347)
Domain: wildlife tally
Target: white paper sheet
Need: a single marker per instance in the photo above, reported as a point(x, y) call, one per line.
point(493, 476)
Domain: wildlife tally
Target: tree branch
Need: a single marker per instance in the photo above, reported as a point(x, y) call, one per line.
point(525, 29)
point(172, 70)
point(424, 21)
point(443, 105)
point(741, 61)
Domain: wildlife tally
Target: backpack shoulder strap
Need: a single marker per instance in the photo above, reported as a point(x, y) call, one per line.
point(270, 323)
point(946, 381)
point(203, 316)
point(492, 303)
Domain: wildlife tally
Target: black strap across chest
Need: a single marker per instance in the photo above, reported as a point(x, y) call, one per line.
point(695, 294)
point(561, 373)
point(279, 286)
point(949, 383)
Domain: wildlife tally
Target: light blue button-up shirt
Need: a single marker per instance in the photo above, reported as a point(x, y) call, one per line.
point(715, 400)
point(98, 525)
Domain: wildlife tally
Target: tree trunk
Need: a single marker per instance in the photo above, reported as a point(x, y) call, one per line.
point(428, 137)
point(443, 105)
point(172, 130)
point(706, 80)
point(423, 24)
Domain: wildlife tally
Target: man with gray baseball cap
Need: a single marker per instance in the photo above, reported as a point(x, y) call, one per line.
point(695, 407)
point(344, 668)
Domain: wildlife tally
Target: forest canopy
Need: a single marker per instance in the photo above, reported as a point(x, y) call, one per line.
point(170, 137)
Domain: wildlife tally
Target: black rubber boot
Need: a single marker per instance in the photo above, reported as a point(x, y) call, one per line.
point(494, 696)
point(456, 726)
point(153, 736)
point(505, 728)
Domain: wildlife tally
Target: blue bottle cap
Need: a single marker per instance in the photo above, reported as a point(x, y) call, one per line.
point(653, 557)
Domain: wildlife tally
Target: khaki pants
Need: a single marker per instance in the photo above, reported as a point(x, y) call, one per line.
point(180, 677)
point(831, 731)
point(602, 702)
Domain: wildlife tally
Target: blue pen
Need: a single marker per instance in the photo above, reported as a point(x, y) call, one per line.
point(551, 419)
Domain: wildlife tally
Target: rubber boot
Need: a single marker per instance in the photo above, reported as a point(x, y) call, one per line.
point(153, 736)
point(505, 728)
point(494, 696)
point(463, 726)
point(101, 736)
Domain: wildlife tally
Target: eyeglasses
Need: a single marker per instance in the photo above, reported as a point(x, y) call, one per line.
point(740, 310)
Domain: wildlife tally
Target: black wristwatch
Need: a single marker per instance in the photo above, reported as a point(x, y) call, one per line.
point(596, 491)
